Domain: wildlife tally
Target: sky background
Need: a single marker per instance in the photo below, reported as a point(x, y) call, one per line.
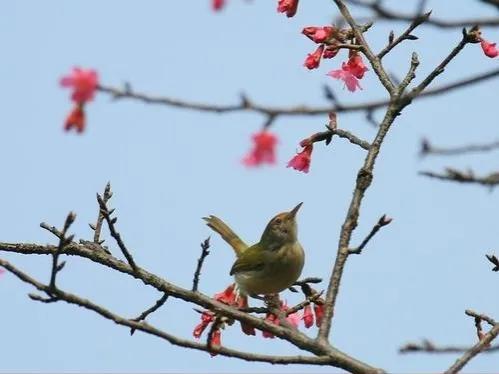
point(169, 167)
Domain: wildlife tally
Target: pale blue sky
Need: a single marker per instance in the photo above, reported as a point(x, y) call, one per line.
point(170, 167)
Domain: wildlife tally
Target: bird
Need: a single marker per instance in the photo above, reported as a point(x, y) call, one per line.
point(271, 265)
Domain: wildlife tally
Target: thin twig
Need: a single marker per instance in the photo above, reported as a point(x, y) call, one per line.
point(406, 35)
point(383, 221)
point(147, 312)
point(428, 347)
point(100, 217)
point(112, 230)
point(494, 260)
point(205, 246)
point(63, 242)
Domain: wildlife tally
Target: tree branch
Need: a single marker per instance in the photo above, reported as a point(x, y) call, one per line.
point(453, 175)
point(334, 357)
point(205, 246)
point(384, 13)
point(428, 149)
point(149, 329)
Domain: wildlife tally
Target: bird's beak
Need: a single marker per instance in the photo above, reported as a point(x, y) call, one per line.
point(293, 212)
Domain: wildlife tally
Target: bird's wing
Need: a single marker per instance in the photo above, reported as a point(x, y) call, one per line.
point(249, 260)
point(217, 225)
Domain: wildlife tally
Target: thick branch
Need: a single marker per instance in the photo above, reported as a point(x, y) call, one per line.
point(149, 329)
point(300, 340)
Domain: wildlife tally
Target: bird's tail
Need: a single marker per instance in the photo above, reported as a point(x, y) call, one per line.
point(219, 226)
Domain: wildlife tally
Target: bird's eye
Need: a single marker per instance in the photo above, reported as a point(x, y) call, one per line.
point(277, 221)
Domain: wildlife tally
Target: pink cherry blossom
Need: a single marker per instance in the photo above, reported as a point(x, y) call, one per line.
point(308, 316)
point(83, 82)
point(217, 5)
point(287, 6)
point(263, 150)
point(301, 161)
point(75, 119)
point(344, 74)
point(313, 59)
point(489, 49)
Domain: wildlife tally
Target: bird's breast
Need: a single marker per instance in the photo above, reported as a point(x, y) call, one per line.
point(282, 268)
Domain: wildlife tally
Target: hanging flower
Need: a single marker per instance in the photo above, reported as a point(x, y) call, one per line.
point(313, 59)
point(263, 150)
point(83, 82)
point(287, 6)
point(489, 49)
point(75, 119)
point(301, 161)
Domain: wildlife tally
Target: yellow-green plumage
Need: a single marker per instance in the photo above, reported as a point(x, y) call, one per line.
point(271, 265)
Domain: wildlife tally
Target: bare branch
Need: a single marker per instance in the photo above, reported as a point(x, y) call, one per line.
point(454, 175)
point(152, 309)
point(100, 217)
point(205, 246)
point(149, 329)
point(298, 110)
point(384, 13)
point(406, 35)
point(63, 242)
point(383, 221)
point(335, 357)
point(115, 234)
point(428, 347)
point(483, 343)
point(494, 260)
point(428, 149)
point(467, 38)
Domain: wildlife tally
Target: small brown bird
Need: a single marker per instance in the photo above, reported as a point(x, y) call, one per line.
point(271, 265)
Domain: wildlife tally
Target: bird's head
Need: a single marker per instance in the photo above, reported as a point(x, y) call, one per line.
point(281, 229)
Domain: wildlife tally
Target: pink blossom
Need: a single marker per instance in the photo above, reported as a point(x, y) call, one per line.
point(314, 59)
point(2, 271)
point(287, 6)
point(308, 317)
point(270, 318)
point(318, 34)
point(263, 150)
point(344, 74)
point(217, 5)
point(330, 51)
point(301, 161)
point(83, 82)
point(215, 341)
point(350, 72)
point(319, 313)
point(75, 119)
point(489, 49)
point(206, 319)
point(356, 66)
point(227, 296)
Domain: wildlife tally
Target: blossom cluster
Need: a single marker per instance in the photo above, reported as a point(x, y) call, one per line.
point(231, 297)
point(83, 84)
